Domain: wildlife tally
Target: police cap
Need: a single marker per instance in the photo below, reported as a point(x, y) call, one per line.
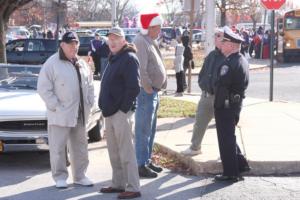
point(230, 36)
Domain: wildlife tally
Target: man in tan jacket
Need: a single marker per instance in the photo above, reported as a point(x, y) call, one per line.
point(65, 84)
point(153, 79)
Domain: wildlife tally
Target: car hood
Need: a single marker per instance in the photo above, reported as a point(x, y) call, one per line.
point(22, 104)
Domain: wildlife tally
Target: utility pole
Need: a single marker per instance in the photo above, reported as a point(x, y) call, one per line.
point(210, 26)
point(114, 13)
point(58, 22)
point(191, 44)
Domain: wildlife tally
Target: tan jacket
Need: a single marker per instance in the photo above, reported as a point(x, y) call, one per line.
point(152, 69)
point(58, 86)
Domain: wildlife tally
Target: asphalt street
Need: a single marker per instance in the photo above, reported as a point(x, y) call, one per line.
point(26, 176)
point(285, 86)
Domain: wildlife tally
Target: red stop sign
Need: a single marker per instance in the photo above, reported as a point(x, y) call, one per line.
point(272, 4)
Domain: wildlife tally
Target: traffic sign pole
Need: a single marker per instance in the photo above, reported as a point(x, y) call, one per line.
point(272, 55)
point(272, 5)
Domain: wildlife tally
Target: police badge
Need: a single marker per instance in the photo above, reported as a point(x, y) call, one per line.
point(224, 70)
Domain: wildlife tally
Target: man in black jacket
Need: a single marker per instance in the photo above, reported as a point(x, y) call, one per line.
point(206, 80)
point(119, 89)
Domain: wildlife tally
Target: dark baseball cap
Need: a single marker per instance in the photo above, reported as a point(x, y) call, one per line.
point(69, 37)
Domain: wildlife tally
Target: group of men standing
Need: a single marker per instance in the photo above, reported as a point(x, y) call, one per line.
point(134, 76)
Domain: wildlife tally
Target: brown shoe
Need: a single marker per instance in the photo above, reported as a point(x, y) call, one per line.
point(111, 190)
point(129, 195)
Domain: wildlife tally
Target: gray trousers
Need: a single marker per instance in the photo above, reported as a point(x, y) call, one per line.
point(121, 152)
point(204, 114)
point(78, 148)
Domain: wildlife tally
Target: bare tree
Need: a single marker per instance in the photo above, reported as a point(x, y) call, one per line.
point(228, 5)
point(7, 7)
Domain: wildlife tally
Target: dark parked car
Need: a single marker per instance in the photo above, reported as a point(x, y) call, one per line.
point(30, 51)
point(85, 42)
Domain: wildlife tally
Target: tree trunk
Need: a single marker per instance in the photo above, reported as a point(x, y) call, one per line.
point(2, 41)
point(223, 13)
point(3, 71)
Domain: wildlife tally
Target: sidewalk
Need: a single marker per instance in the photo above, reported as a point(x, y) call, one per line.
point(268, 133)
point(253, 64)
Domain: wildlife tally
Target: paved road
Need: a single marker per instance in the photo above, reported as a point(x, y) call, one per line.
point(26, 176)
point(286, 83)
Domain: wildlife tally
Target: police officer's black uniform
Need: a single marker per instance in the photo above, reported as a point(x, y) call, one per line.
point(229, 92)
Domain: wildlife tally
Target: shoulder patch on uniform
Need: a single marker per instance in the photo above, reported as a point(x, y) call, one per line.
point(224, 70)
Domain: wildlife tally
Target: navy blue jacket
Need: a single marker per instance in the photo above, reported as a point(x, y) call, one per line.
point(120, 83)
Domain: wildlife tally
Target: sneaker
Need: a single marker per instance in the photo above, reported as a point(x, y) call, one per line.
point(146, 172)
point(84, 182)
point(61, 184)
point(155, 168)
point(190, 152)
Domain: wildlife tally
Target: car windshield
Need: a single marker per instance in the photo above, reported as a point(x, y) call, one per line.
point(18, 77)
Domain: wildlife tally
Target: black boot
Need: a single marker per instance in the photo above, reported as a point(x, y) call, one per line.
point(146, 172)
point(155, 168)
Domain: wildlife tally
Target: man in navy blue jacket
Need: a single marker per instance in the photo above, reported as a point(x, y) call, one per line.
point(119, 89)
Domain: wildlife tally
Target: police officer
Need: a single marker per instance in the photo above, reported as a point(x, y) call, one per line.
point(230, 89)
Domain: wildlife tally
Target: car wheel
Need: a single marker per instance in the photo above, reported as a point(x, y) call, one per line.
point(95, 132)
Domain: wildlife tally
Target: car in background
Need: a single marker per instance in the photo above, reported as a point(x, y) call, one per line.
point(102, 31)
point(198, 36)
point(84, 32)
point(130, 37)
point(84, 46)
point(18, 32)
point(23, 122)
point(30, 51)
point(131, 31)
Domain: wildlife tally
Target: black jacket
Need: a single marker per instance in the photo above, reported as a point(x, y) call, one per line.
point(233, 79)
point(209, 71)
point(120, 83)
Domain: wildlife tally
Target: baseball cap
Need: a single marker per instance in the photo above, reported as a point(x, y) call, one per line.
point(116, 31)
point(69, 37)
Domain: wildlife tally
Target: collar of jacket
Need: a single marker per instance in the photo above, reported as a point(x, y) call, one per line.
point(63, 56)
point(129, 47)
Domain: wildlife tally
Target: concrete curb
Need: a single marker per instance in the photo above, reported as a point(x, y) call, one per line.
point(211, 167)
point(197, 168)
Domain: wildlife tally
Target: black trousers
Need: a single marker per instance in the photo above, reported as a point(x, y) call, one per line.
point(97, 64)
point(179, 81)
point(232, 160)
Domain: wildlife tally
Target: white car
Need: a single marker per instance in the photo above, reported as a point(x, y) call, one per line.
point(23, 122)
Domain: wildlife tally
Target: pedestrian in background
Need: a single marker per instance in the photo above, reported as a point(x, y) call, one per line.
point(153, 79)
point(233, 77)
point(94, 52)
point(206, 81)
point(119, 89)
point(178, 66)
point(65, 84)
point(188, 56)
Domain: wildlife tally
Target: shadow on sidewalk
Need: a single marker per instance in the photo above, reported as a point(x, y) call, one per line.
point(175, 123)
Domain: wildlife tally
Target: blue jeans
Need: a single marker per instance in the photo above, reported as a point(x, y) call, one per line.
point(145, 125)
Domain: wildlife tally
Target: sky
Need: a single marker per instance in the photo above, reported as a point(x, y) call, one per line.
point(149, 7)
